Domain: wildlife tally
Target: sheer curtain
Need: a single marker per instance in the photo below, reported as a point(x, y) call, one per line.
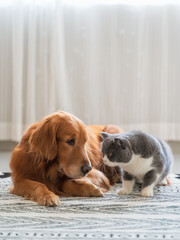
point(105, 61)
point(32, 64)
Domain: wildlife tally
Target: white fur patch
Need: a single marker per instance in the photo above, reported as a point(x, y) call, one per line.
point(138, 166)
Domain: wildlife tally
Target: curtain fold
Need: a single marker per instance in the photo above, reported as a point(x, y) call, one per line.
point(104, 61)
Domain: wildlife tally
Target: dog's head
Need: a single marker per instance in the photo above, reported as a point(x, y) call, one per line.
point(62, 137)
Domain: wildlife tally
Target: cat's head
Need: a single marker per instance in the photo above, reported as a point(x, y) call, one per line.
point(115, 149)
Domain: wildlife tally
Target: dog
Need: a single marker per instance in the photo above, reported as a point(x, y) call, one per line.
point(60, 156)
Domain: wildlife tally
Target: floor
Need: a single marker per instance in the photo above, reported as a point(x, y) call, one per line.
point(120, 217)
point(7, 147)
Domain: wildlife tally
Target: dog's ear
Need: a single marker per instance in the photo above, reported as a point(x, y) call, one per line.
point(43, 139)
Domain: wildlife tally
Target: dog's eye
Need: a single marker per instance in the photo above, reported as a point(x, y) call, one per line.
point(71, 142)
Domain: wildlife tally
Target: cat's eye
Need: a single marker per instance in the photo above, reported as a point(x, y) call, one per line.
point(71, 142)
point(110, 154)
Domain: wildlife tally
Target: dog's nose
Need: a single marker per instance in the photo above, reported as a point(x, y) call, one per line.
point(86, 168)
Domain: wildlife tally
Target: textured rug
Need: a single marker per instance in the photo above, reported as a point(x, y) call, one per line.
point(110, 217)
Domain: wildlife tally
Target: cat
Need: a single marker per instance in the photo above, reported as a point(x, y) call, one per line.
point(142, 157)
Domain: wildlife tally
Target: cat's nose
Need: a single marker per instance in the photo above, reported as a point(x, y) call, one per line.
point(86, 168)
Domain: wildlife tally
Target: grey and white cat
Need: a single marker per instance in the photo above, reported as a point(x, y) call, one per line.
point(142, 157)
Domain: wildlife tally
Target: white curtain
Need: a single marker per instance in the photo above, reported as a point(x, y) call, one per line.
point(105, 61)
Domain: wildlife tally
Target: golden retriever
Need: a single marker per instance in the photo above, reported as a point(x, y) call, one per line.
point(60, 156)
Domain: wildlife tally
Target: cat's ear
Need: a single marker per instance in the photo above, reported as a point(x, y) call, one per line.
point(104, 135)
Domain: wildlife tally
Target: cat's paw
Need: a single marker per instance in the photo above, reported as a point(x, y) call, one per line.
point(147, 192)
point(122, 191)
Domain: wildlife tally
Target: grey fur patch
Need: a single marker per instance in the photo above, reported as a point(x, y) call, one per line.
point(149, 178)
point(127, 176)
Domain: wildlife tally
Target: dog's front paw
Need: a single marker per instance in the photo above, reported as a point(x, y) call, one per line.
point(94, 191)
point(123, 191)
point(147, 192)
point(50, 200)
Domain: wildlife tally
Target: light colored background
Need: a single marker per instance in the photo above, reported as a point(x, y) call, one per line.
point(105, 61)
